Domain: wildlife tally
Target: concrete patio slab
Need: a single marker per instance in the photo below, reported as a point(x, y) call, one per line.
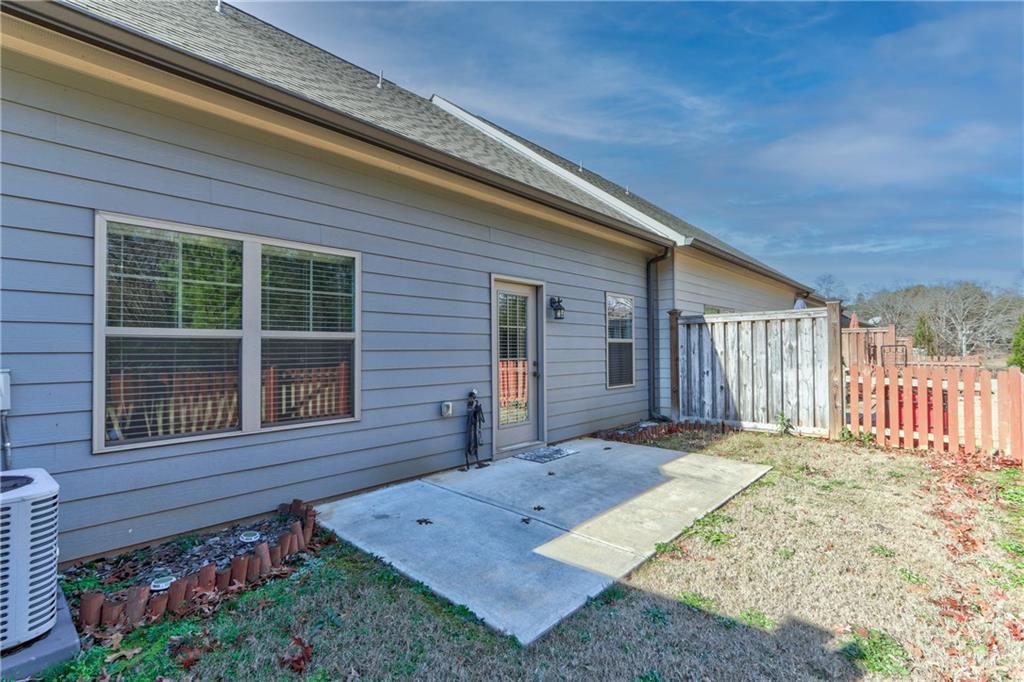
point(471, 553)
point(524, 544)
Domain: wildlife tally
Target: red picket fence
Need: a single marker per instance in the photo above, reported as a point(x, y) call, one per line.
point(513, 382)
point(937, 407)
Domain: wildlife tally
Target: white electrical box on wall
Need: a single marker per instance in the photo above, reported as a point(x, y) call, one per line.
point(447, 410)
point(5, 389)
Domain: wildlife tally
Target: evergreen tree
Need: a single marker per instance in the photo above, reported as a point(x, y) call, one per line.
point(924, 336)
point(1017, 348)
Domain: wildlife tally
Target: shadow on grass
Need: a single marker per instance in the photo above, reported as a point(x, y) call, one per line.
point(671, 639)
point(364, 620)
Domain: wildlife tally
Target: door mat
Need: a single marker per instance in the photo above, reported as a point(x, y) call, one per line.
point(548, 453)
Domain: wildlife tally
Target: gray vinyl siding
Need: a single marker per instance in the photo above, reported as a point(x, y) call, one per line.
point(702, 279)
point(427, 262)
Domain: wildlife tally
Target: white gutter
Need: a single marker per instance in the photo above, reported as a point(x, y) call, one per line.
point(622, 207)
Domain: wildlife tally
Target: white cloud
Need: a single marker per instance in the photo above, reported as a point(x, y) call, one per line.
point(873, 155)
point(810, 140)
point(536, 71)
point(925, 106)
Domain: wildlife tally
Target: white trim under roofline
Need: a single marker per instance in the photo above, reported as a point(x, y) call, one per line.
point(578, 182)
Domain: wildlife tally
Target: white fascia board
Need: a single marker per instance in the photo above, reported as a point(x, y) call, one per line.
point(639, 216)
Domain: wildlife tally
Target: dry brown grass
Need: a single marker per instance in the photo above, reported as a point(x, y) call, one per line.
point(837, 542)
point(847, 537)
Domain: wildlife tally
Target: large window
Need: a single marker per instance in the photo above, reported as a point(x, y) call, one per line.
point(620, 341)
point(202, 333)
point(308, 326)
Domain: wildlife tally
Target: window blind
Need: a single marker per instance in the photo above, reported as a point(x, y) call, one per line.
point(513, 359)
point(307, 291)
point(165, 279)
point(174, 354)
point(619, 319)
point(309, 376)
point(306, 379)
point(172, 283)
point(168, 388)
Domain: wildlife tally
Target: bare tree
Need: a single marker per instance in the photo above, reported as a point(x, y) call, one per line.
point(830, 288)
point(968, 319)
point(901, 307)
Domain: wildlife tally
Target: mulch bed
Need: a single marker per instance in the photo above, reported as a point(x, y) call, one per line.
point(114, 595)
point(642, 433)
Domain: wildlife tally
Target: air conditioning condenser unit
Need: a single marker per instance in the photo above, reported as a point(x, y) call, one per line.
point(28, 555)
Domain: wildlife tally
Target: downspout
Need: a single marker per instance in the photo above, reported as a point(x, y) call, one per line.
point(652, 335)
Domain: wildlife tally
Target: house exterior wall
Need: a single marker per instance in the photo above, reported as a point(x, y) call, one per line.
point(72, 147)
point(700, 279)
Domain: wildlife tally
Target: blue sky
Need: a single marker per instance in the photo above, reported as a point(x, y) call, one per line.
point(878, 142)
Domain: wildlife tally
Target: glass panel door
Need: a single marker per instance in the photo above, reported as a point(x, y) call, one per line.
point(513, 359)
point(515, 310)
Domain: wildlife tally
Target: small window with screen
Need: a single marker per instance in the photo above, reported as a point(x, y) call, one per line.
point(619, 318)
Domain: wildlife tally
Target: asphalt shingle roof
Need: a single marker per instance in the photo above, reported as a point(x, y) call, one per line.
point(633, 199)
point(239, 41)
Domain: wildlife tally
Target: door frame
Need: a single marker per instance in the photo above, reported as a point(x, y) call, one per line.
point(540, 345)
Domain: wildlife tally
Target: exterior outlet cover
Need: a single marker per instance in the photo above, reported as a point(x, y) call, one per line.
point(5, 389)
point(447, 410)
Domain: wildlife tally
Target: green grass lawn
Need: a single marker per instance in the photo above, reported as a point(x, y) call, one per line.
point(844, 562)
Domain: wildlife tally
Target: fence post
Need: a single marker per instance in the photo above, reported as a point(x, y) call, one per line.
point(835, 369)
point(673, 342)
point(1016, 420)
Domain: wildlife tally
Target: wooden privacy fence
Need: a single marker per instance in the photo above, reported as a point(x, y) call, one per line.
point(747, 369)
point(881, 346)
point(875, 346)
point(941, 408)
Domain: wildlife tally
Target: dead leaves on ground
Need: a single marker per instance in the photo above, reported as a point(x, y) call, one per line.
point(952, 607)
point(190, 656)
point(297, 660)
point(959, 486)
point(188, 649)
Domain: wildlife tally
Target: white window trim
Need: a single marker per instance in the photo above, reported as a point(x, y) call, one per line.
point(608, 341)
point(251, 334)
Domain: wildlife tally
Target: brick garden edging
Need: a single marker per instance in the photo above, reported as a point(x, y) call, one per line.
point(134, 606)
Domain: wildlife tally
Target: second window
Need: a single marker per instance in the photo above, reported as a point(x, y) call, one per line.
point(620, 341)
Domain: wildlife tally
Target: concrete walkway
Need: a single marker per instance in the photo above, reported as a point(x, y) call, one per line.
point(524, 544)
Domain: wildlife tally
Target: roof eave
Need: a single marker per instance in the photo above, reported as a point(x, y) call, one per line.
point(80, 24)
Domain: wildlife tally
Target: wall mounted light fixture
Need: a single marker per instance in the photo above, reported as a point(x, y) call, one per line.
point(557, 308)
